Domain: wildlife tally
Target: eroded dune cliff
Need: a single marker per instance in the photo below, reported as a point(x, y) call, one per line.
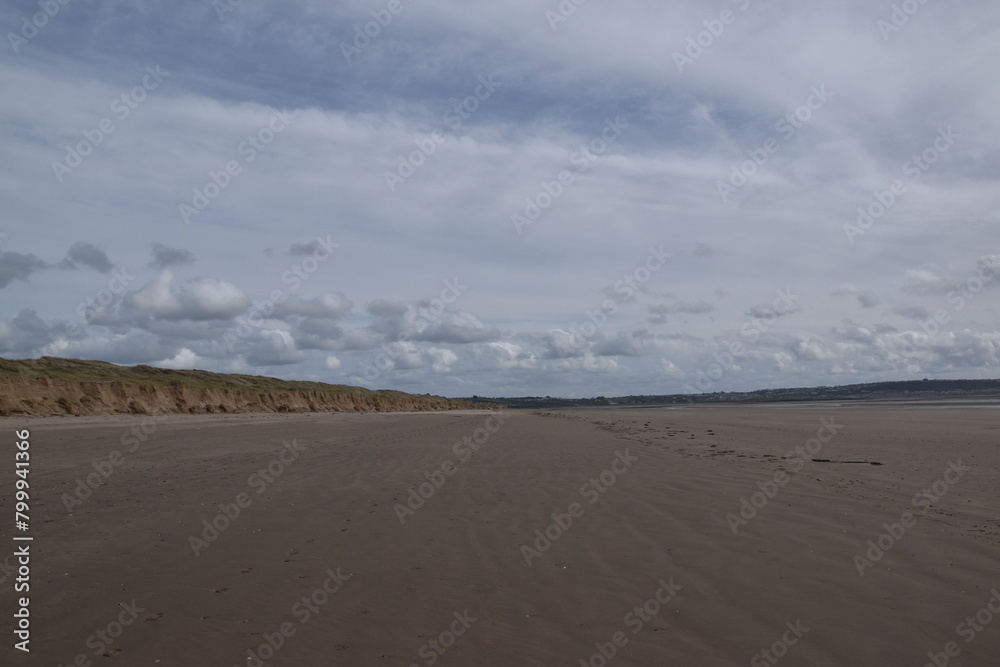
point(50, 386)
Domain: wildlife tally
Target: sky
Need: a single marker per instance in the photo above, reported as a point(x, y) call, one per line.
point(533, 197)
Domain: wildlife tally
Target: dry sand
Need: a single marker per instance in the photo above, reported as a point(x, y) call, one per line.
point(451, 585)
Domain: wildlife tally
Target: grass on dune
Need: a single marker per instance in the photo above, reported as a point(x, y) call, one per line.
point(101, 371)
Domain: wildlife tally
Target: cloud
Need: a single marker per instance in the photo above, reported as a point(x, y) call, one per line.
point(703, 250)
point(587, 362)
point(912, 312)
point(562, 344)
point(133, 346)
point(165, 257)
point(88, 255)
point(274, 347)
point(197, 299)
point(406, 357)
point(621, 345)
point(184, 359)
point(851, 331)
point(659, 312)
point(455, 327)
point(423, 323)
point(765, 311)
point(967, 349)
point(17, 266)
point(333, 305)
point(320, 334)
point(26, 333)
point(310, 249)
point(867, 298)
point(693, 307)
point(926, 281)
point(391, 319)
point(671, 371)
point(503, 356)
point(441, 360)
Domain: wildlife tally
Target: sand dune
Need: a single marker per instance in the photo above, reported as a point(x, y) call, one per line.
point(536, 539)
point(57, 386)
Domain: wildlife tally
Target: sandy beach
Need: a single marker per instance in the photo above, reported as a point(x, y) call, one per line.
point(718, 536)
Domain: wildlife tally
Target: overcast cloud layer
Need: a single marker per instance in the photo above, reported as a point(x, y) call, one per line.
point(509, 198)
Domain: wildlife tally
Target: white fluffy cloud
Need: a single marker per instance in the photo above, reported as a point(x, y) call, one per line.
point(185, 358)
point(196, 299)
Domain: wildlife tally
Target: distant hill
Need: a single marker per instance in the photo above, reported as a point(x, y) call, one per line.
point(874, 390)
point(53, 386)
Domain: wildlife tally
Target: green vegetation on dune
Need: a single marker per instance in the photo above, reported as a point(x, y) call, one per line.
point(101, 371)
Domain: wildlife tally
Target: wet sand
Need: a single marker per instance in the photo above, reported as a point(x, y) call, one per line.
point(652, 555)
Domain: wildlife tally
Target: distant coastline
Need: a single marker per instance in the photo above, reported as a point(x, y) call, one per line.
point(913, 389)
